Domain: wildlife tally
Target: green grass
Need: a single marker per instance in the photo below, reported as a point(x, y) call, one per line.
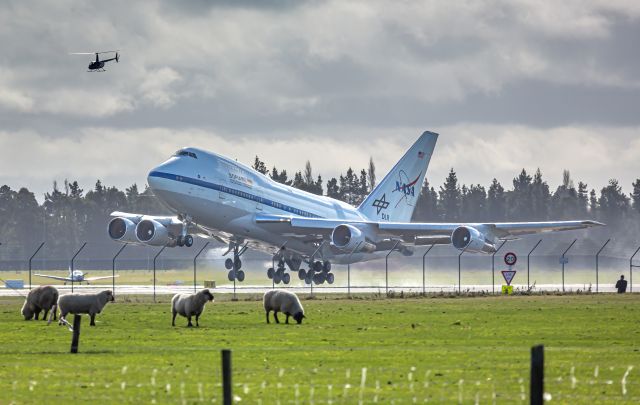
point(440, 349)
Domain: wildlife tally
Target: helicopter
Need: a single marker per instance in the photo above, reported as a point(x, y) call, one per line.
point(98, 65)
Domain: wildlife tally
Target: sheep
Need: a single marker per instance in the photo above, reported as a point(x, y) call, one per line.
point(283, 301)
point(91, 304)
point(188, 305)
point(38, 299)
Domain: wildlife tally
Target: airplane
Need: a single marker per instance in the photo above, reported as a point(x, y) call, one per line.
point(217, 197)
point(75, 276)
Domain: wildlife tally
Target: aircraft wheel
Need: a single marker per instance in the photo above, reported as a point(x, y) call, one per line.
point(231, 275)
point(318, 278)
point(309, 277)
point(179, 241)
point(188, 240)
point(270, 272)
point(286, 278)
point(277, 278)
point(228, 264)
point(317, 266)
point(302, 274)
point(330, 278)
point(326, 266)
point(240, 275)
point(237, 263)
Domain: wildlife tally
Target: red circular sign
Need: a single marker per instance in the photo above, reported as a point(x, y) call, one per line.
point(510, 259)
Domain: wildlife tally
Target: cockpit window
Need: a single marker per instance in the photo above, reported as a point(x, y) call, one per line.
point(182, 152)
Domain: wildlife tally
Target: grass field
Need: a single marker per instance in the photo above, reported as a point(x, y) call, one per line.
point(375, 350)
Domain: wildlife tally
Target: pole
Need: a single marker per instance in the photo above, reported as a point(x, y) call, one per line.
point(493, 267)
point(386, 268)
point(529, 262)
point(537, 375)
point(75, 338)
point(563, 260)
point(154, 271)
point(72, 262)
point(424, 288)
point(598, 261)
point(30, 259)
point(349, 268)
point(194, 265)
point(226, 377)
point(113, 269)
point(631, 266)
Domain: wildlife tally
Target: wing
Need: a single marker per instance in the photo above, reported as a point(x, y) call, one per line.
point(99, 278)
point(53, 277)
point(417, 232)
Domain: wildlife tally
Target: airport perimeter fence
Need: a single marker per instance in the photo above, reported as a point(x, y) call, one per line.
point(543, 265)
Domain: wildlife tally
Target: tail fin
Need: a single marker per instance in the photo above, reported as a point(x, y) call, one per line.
point(395, 197)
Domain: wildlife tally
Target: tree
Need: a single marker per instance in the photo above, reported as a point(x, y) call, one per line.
point(333, 190)
point(613, 202)
point(259, 166)
point(564, 203)
point(474, 203)
point(593, 203)
point(496, 202)
point(540, 196)
point(427, 205)
point(371, 174)
point(635, 195)
point(280, 177)
point(520, 202)
point(583, 199)
point(450, 198)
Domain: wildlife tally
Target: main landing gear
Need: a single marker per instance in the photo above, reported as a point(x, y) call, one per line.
point(184, 239)
point(279, 274)
point(234, 265)
point(318, 273)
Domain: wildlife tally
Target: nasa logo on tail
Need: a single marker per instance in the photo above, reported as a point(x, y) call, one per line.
point(406, 187)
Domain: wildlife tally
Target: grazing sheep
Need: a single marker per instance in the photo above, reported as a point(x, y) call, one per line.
point(285, 302)
point(40, 298)
point(189, 305)
point(91, 304)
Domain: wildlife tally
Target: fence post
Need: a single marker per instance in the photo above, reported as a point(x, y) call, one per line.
point(424, 288)
point(536, 387)
point(493, 267)
point(72, 263)
point(113, 269)
point(194, 265)
point(386, 268)
point(226, 377)
point(75, 338)
point(598, 261)
point(631, 266)
point(154, 272)
point(30, 259)
point(563, 260)
point(529, 263)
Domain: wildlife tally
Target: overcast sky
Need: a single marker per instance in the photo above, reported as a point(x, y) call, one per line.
point(507, 84)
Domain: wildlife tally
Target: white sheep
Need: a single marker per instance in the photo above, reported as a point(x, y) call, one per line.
point(38, 299)
point(285, 302)
point(91, 304)
point(188, 305)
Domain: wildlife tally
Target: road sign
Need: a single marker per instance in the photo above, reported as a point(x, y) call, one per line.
point(510, 259)
point(564, 260)
point(507, 289)
point(508, 275)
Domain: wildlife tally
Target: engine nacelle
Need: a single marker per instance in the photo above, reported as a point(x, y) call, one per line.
point(471, 240)
point(152, 232)
point(122, 230)
point(348, 237)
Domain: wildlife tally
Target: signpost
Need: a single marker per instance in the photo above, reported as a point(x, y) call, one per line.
point(510, 259)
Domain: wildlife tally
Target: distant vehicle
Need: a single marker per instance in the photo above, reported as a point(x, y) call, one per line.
point(220, 198)
point(98, 65)
point(75, 276)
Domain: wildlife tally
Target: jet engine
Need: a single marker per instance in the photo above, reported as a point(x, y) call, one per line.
point(471, 240)
point(348, 237)
point(152, 232)
point(122, 230)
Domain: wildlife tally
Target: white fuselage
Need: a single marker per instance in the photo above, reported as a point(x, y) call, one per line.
point(224, 195)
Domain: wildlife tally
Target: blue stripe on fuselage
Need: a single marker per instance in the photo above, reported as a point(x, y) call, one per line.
point(233, 191)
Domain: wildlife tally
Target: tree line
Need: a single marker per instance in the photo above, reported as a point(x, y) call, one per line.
point(68, 215)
